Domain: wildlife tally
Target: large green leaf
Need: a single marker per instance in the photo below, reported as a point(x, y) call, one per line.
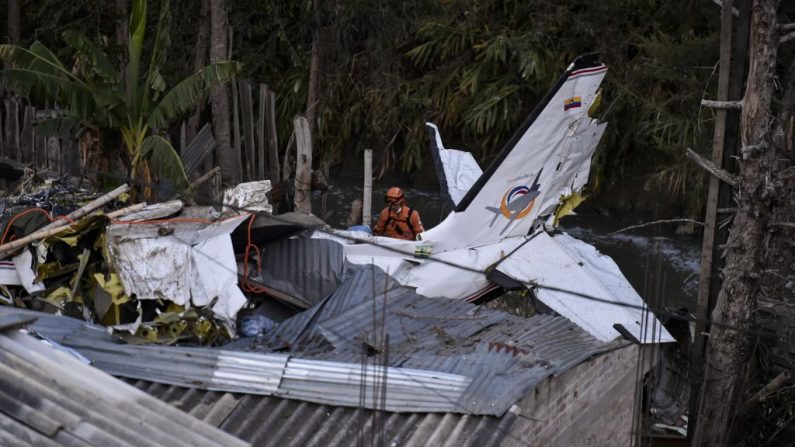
point(49, 87)
point(165, 161)
point(135, 48)
point(38, 58)
point(99, 63)
point(65, 126)
point(186, 95)
point(154, 78)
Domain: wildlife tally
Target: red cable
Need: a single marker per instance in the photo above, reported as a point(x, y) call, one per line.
point(246, 286)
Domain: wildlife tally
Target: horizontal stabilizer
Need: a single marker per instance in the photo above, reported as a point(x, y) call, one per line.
point(585, 286)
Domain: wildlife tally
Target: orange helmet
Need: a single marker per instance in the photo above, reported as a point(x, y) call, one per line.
point(394, 195)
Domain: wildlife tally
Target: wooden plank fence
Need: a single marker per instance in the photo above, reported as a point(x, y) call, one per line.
point(255, 135)
point(254, 138)
point(19, 142)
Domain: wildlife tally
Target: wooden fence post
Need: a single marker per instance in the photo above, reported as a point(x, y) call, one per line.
point(273, 141)
point(367, 200)
point(236, 135)
point(261, 144)
point(247, 116)
point(303, 166)
point(27, 145)
point(12, 129)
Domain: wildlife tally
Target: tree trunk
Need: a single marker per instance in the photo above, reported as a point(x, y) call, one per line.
point(728, 350)
point(312, 96)
point(122, 16)
point(14, 22)
point(199, 61)
point(220, 97)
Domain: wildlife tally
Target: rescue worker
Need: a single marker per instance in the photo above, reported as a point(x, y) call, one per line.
point(398, 220)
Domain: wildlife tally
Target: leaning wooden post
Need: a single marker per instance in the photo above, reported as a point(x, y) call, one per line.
point(732, 51)
point(238, 151)
point(303, 166)
point(273, 140)
point(261, 142)
point(367, 201)
point(247, 116)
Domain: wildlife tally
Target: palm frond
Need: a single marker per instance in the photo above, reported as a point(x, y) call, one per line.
point(186, 95)
point(37, 58)
point(48, 87)
point(165, 161)
point(99, 62)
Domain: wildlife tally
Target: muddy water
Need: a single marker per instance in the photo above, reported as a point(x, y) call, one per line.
point(662, 268)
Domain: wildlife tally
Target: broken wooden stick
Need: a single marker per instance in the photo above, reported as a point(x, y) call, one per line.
point(711, 168)
point(205, 177)
point(88, 208)
point(769, 389)
point(656, 222)
point(130, 209)
point(725, 105)
point(35, 236)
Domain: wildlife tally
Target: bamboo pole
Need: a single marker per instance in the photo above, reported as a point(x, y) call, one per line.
point(59, 225)
point(90, 206)
point(38, 235)
point(128, 210)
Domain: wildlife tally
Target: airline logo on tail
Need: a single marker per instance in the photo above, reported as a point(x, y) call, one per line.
point(516, 203)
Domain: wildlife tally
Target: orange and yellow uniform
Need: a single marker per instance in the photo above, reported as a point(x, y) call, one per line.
point(402, 224)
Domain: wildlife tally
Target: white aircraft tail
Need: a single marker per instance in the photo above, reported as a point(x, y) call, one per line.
point(547, 159)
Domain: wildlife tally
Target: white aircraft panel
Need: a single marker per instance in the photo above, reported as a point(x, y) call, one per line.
point(569, 265)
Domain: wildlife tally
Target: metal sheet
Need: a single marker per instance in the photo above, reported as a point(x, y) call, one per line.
point(328, 382)
point(183, 262)
point(51, 398)
point(308, 269)
point(267, 420)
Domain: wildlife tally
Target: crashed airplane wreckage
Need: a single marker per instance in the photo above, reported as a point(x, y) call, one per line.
point(388, 325)
point(502, 232)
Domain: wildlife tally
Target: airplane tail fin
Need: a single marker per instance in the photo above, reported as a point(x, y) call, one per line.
point(544, 160)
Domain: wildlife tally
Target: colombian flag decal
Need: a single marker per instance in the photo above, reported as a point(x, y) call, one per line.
point(572, 103)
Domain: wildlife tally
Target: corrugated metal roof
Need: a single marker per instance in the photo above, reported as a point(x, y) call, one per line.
point(49, 398)
point(327, 382)
point(443, 355)
point(505, 355)
point(264, 420)
point(307, 269)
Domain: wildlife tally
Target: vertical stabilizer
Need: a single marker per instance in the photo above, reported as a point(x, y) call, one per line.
point(527, 178)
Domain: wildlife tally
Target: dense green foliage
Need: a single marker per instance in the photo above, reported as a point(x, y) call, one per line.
point(98, 98)
point(475, 68)
point(478, 68)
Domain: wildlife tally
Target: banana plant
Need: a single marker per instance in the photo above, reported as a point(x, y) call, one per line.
point(96, 97)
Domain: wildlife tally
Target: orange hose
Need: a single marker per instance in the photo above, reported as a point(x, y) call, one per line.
point(23, 213)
